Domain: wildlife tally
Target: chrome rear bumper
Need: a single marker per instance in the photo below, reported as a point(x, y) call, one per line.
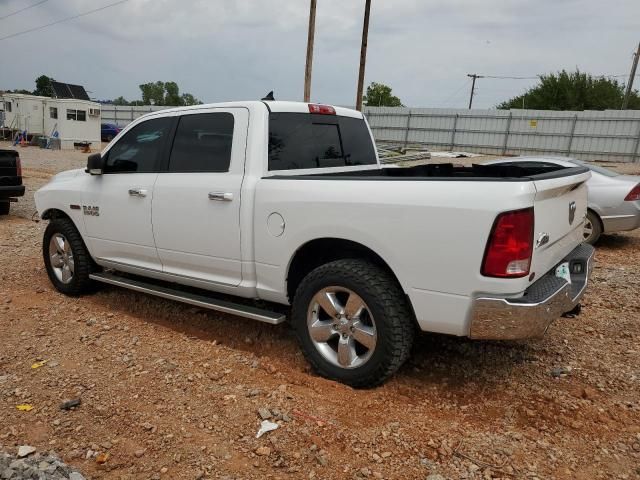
point(529, 316)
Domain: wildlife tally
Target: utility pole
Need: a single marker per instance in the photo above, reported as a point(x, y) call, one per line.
point(632, 75)
point(473, 86)
point(310, 38)
point(363, 54)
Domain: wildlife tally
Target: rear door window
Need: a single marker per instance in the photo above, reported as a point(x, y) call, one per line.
point(202, 143)
point(300, 140)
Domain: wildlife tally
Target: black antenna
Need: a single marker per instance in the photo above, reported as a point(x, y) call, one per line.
point(269, 96)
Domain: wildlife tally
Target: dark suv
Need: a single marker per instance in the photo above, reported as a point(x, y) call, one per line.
point(10, 179)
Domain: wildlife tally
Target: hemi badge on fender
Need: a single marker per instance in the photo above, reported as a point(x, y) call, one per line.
point(74, 207)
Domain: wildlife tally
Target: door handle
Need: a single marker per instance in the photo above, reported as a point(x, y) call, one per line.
point(220, 196)
point(137, 192)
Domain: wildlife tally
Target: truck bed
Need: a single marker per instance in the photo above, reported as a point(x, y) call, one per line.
point(448, 171)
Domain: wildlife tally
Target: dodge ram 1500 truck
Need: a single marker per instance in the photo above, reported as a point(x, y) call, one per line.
point(10, 179)
point(247, 207)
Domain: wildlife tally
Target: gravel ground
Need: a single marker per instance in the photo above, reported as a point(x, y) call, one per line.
point(170, 391)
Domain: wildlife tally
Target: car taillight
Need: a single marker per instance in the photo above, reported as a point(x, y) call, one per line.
point(510, 245)
point(322, 109)
point(18, 167)
point(633, 195)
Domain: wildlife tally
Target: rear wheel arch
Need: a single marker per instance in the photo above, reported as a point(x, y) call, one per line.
point(597, 226)
point(325, 250)
point(597, 215)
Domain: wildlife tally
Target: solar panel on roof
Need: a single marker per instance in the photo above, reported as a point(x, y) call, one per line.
point(68, 90)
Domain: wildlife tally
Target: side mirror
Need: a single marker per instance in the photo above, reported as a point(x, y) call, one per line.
point(95, 164)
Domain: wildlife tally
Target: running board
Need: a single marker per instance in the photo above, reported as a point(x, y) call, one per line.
point(245, 311)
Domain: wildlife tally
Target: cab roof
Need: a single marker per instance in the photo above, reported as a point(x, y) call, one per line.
point(273, 106)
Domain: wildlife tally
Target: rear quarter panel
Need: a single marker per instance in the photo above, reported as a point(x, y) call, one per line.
point(432, 234)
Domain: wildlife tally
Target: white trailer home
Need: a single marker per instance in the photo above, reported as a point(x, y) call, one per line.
point(75, 120)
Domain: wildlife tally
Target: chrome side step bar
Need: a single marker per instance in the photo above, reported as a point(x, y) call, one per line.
point(202, 301)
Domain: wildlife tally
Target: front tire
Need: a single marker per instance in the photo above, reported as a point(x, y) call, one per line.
point(353, 322)
point(66, 258)
point(4, 208)
point(592, 228)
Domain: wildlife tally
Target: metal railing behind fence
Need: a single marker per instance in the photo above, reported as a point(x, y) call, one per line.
point(123, 115)
point(610, 135)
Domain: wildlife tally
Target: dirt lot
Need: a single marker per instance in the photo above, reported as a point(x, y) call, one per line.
point(174, 392)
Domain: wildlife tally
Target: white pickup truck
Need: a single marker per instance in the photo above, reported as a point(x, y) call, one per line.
point(247, 207)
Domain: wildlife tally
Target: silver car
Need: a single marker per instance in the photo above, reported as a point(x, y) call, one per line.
point(614, 199)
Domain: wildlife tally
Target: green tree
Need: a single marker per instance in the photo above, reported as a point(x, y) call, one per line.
point(165, 93)
point(120, 101)
point(152, 93)
point(172, 94)
point(43, 86)
point(573, 91)
point(188, 99)
point(379, 95)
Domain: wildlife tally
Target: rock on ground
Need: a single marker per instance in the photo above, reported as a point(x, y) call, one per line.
point(36, 467)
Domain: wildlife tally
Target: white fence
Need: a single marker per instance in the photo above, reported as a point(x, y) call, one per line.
point(121, 116)
point(610, 135)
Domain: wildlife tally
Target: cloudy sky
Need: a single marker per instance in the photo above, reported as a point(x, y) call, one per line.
point(234, 50)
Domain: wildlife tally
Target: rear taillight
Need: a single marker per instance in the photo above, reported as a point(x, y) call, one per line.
point(321, 109)
point(18, 167)
point(633, 195)
point(510, 245)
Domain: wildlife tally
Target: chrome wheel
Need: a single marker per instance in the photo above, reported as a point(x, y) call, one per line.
point(61, 258)
point(588, 228)
point(341, 327)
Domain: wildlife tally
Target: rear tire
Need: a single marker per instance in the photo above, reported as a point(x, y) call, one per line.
point(66, 258)
point(592, 227)
point(353, 322)
point(4, 208)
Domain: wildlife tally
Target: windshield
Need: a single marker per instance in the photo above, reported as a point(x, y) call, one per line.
point(595, 168)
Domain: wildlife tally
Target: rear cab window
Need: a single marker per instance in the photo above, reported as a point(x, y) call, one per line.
point(304, 140)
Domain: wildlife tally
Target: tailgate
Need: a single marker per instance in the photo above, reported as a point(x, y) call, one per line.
point(560, 207)
point(8, 168)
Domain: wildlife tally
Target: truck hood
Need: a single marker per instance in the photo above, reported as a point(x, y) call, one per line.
point(68, 174)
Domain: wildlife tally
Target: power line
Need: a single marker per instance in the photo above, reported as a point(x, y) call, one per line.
point(23, 9)
point(507, 77)
point(73, 17)
point(512, 78)
point(454, 94)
